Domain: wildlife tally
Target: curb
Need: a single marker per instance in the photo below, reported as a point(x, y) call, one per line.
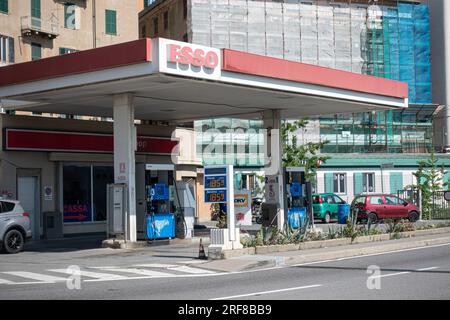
point(226, 254)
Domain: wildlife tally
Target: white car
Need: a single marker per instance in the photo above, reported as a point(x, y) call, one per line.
point(15, 226)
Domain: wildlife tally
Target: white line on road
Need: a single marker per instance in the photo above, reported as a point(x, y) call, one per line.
point(35, 276)
point(90, 274)
point(366, 255)
point(156, 265)
point(426, 269)
point(267, 292)
point(141, 272)
point(190, 270)
point(3, 281)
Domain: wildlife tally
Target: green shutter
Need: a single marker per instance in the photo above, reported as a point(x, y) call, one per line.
point(446, 180)
point(358, 183)
point(11, 50)
point(328, 182)
point(396, 182)
point(4, 6)
point(36, 8)
point(110, 22)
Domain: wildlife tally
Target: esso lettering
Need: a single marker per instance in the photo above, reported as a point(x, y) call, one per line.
point(195, 57)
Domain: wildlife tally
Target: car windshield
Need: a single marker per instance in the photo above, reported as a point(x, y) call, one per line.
point(316, 199)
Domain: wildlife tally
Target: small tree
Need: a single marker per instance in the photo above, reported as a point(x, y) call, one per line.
point(430, 178)
point(305, 155)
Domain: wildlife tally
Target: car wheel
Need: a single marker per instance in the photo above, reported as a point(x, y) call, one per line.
point(413, 216)
point(327, 218)
point(372, 217)
point(13, 241)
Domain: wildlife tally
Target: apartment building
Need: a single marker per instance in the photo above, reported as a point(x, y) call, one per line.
point(34, 29)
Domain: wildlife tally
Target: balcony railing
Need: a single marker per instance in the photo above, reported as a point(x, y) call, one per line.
point(35, 26)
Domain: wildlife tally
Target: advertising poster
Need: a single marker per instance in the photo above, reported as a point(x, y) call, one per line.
point(243, 207)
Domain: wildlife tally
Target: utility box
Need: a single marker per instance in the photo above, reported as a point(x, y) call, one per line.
point(117, 210)
point(53, 225)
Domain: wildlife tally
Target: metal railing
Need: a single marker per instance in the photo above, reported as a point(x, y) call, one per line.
point(437, 209)
point(29, 23)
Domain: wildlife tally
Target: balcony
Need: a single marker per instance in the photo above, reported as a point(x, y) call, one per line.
point(35, 26)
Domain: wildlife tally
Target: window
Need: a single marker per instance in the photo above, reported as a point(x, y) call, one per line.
point(338, 200)
point(4, 6)
point(6, 206)
point(339, 182)
point(143, 31)
point(36, 13)
point(36, 51)
point(111, 22)
point(368, 182)
point(67, 50)
point(185, 37)
point(166, 20)
point(84, 192)
point(360, 201)
point(376, 200)
point(393, 200)
point(155, 26)
point(70, 16)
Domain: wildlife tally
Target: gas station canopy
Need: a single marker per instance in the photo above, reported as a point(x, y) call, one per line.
point(179, 82)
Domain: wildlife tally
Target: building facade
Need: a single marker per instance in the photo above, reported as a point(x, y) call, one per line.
point(34, 29)
point(389, 39)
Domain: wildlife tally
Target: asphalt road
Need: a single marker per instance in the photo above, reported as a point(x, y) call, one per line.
point(422, 273)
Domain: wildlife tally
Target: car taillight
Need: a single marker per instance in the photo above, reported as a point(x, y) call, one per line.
point(26, 214)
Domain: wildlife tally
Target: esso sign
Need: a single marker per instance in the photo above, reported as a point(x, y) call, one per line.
point(192, 56)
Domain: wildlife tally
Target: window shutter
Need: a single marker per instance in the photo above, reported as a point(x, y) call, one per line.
point(396, 182)
point(358, 183)
point(328, 182)
point(11, 50)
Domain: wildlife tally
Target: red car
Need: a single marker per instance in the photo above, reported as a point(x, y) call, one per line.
point(376, 207)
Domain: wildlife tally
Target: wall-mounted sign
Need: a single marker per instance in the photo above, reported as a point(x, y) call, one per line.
point(187, 59)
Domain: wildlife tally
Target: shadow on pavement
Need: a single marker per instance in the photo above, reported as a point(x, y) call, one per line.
point(66, 244)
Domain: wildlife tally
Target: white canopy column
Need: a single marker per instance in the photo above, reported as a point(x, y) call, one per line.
point(124, 155)
point(274, 161)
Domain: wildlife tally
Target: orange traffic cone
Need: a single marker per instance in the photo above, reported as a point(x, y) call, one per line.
point(201, 251)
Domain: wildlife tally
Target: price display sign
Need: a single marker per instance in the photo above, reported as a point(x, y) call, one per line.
point(212, 182)
point(216, 184)
point(217, 196)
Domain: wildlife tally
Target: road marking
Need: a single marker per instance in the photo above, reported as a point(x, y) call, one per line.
point(156, 265)
point(3, 281)
point(90, 274)
point(36, 276)
point(391, 274)
point(267, 292)
point(192, 261)
point(190, 270)
point(366, 255)
point(141, 272)
point(426, 269)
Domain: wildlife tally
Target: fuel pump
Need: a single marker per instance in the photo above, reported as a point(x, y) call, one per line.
point(297, 198)
point(160, 208)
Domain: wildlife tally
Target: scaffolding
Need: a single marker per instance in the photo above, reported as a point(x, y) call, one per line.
point(384, 38)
